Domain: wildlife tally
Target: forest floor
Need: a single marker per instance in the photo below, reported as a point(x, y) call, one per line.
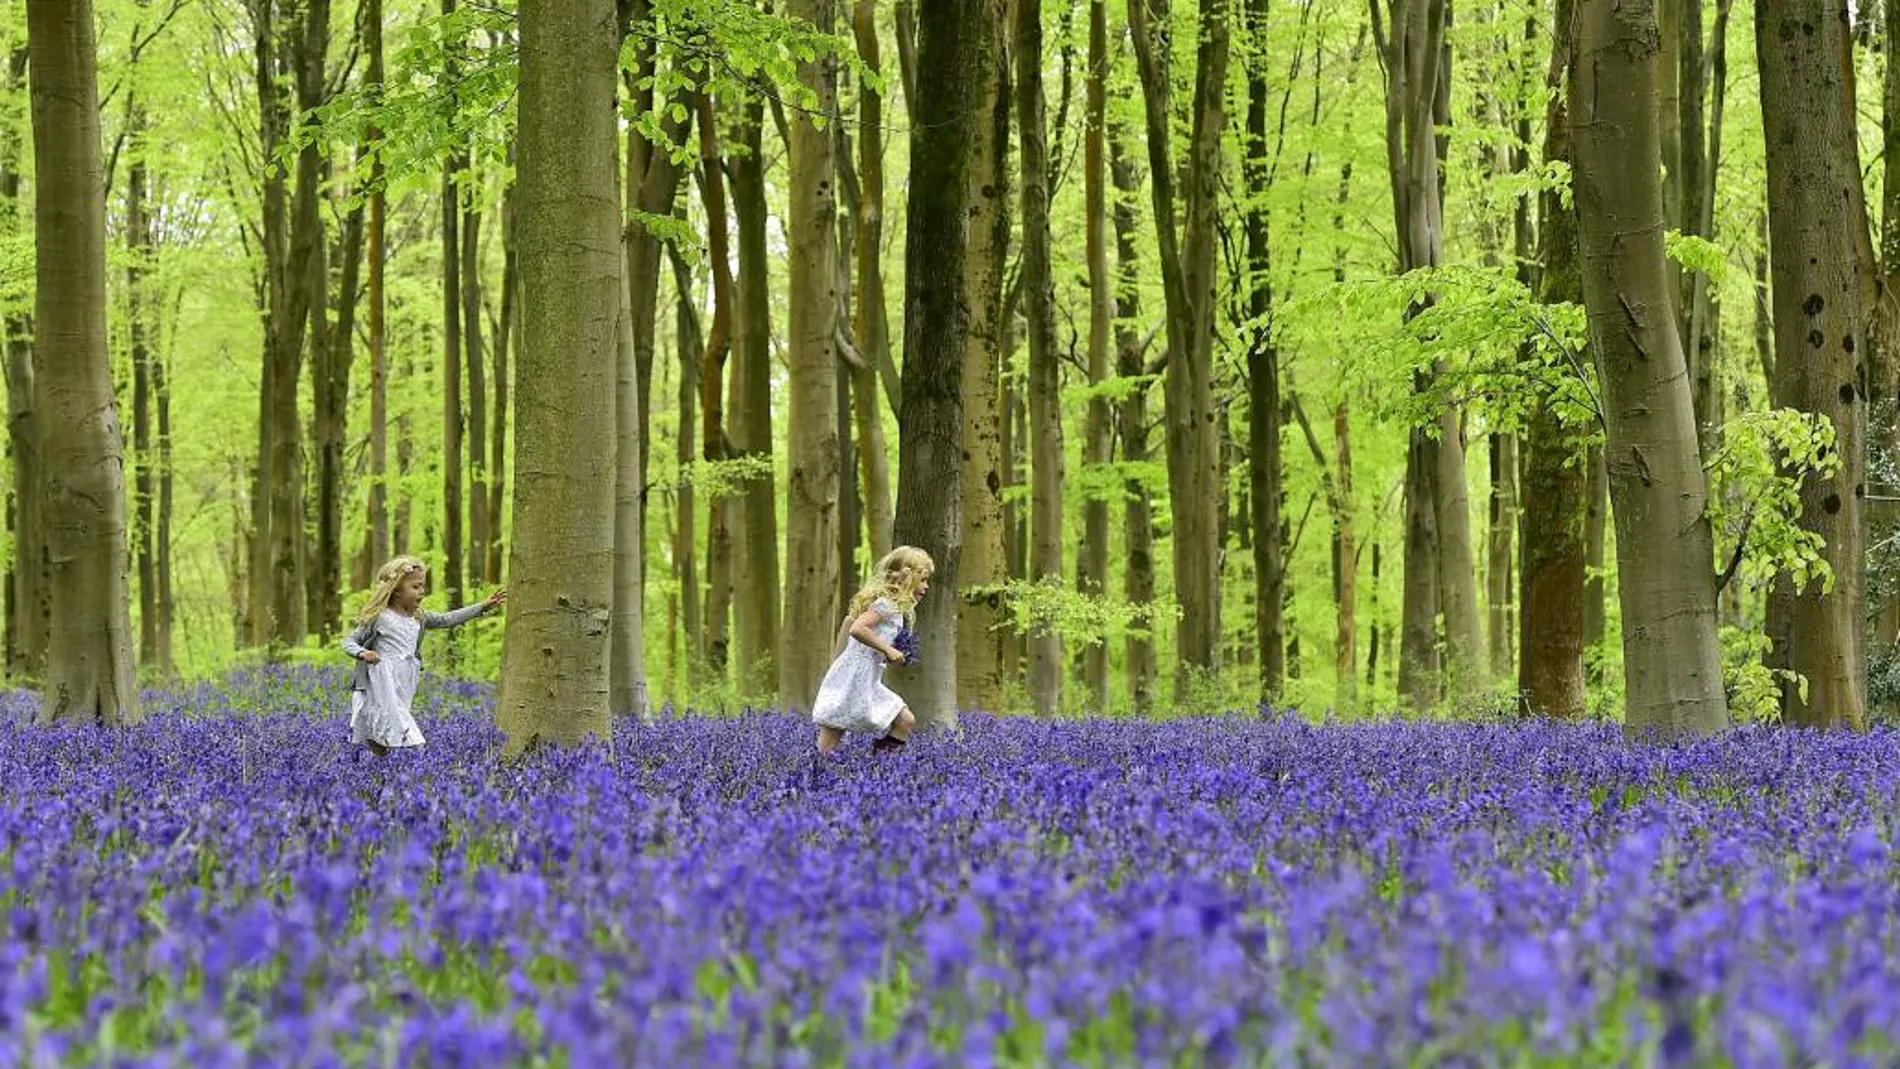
point(229, 884)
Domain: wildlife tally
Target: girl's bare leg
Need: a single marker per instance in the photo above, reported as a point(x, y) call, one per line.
point(376, 748)
point(899, 734)
point(828, 739)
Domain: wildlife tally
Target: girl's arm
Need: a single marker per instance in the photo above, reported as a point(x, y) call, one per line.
point(356, 642)
point(862, 630)
point(458, 617)
point(844, 633)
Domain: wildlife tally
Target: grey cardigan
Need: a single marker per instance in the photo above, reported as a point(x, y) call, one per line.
point(368, 636)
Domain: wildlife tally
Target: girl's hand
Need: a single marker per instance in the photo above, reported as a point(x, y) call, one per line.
point(500, 595)
point(894, 656)
point(372, 657)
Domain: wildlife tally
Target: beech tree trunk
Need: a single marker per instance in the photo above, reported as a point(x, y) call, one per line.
point(1822, 264)
point(1263, 375)
point(1131, 418)
point(89, 667)
point(27, 609)
point(714, 445)
point(1188, 276)
point(1098, 449)
point(686, 534)
point(871, 328)
point(811, 510)
point(952, 136)
point(375, 299)
point(139, 330)
point(1044, 380)
point(554, 679)
point(476, 377)
point(756, 604)
point(1551, 582)
point(335, 357)
point(507, 335)
point(1671, 661)
point(982, 566)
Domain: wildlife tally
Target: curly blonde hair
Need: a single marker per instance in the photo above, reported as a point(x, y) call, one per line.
point(896, 579)
point(388, 578)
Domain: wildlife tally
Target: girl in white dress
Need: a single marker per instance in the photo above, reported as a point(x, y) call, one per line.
point(387, 647)
point(853, 696)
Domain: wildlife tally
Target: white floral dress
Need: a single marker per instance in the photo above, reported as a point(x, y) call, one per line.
point(853, 696)
point(379, 712)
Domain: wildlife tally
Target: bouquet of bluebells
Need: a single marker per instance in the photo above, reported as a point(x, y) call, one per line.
point(908, 644)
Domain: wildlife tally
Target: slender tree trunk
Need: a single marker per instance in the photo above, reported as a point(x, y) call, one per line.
point(811, 510)
point(138, 242)
point(626, 659)
point(1100, 442)
point(89, 667)
point(1263, 375)
point(1044, 380)
point(27, 609)
point(276, 243)
point(476, 377)
point(452, 468)
point(375, 299)
point(756, 606)
point(686, 535)
point(871, 327)
point(1500, 570)
point(1551, 583)
point(166, 606)
point(1138, 577)
point(713, 442)
point(332, 390)
point(1596, 520)
point(958, 57)
point(1188, 276)
point(554, 680)
point(1671, 661)
point(1417, 77)
point(1419, 682)
point(982, 566)
point(507, 334)
point(1822, 263)
point(1883, 362)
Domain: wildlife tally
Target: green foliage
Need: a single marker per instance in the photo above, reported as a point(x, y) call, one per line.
point(725, 477)
point(1755, 494)
point(1754, 689)
point(1075, 616)
point(1697, 254)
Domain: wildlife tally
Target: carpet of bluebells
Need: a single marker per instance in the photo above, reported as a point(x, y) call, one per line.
point(229, 885)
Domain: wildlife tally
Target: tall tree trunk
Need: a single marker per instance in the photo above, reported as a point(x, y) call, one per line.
point(714, 445)
point(626, 642)
point(1822, 264)
point(652, 188)
point(1671, 662)
point(1044, 380)
point(375, 300)
point(811, 508)
point(336, 354)
point(507, 334)
point(476, 377)
point(1138, 578)
point(958, 58)
point(1099, 440)
point(1417, 77)
point(166, 606)
point(1188, 277)
point(1419, 680)
point(276, 243)
point(756, 606)
point(452, 534)
point(27, 609)
point(1263, 376)
point(1596, 521)
point(1500, 570)
point(89, 668)
point(139, 329)
point(685, 543)
point(554, 678)
point(1551, 582)
point(871, 327)
point(982, 566)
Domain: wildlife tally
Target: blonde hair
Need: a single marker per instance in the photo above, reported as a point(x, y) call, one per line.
point(896, 579)
point(388, 578)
